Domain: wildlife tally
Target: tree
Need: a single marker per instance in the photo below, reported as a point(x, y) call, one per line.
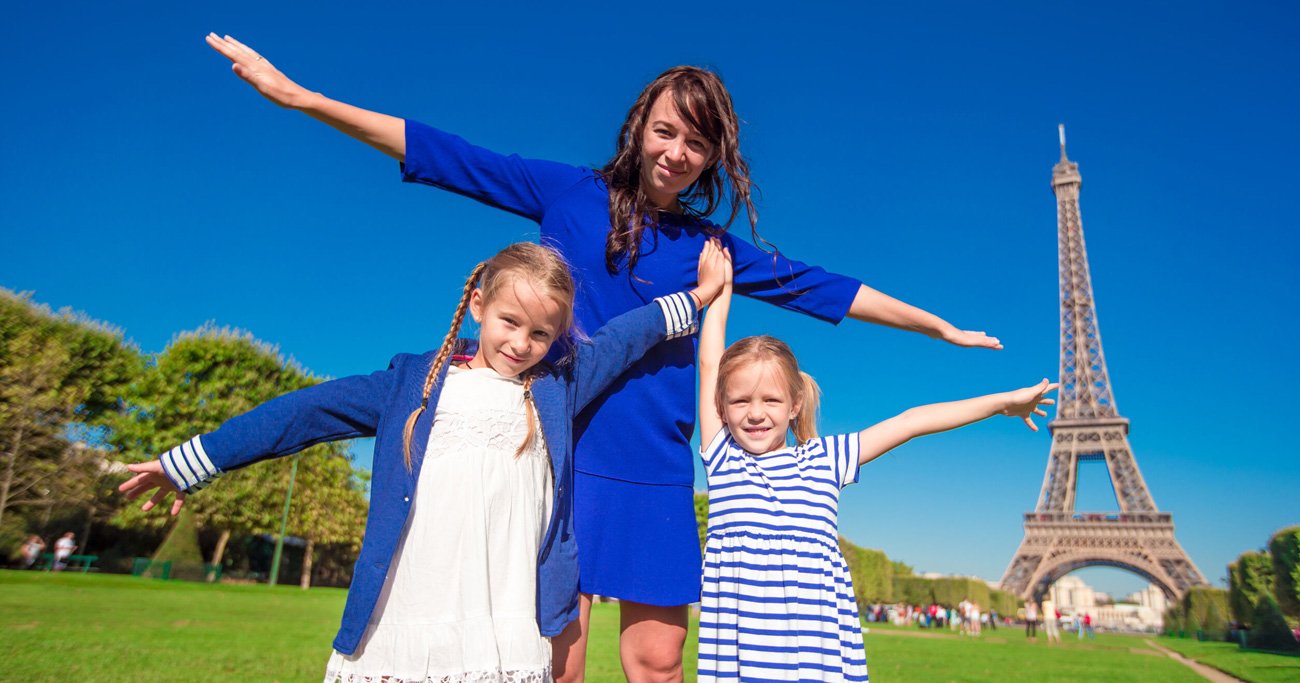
point(1249, 579)
point(1284, 548)
point(60, 374)
point(199, 381)
point(329, 503)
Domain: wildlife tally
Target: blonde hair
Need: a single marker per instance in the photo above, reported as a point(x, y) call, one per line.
point(540, 266)
point(803, 390)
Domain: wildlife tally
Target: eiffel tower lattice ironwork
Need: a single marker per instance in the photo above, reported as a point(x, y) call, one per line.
point(1088, 427)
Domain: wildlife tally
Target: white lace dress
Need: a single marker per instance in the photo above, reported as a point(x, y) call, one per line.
point(460, 599)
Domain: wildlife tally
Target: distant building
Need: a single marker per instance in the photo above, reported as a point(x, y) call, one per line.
point(1140, 611)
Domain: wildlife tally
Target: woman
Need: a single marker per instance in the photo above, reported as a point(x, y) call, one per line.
point(632, 231)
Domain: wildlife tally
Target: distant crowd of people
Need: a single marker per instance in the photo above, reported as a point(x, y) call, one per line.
point(965, 617)
point(968, 618)
point(1051, 621)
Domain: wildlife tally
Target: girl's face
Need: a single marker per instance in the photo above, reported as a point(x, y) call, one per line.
point(516, 326)
point(757, 406)
point(673, 154)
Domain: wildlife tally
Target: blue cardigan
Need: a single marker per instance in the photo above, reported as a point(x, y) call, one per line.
point(378, 404)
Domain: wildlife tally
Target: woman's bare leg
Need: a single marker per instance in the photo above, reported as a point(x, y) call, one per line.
point(650, 642)
point(569, 649)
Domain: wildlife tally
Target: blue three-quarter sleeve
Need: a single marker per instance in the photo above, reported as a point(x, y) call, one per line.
point(791, 284)
point(521, 186)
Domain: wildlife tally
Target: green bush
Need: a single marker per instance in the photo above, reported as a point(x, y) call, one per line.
point(913, 590)
point(1200, 601)
point(1214, 627)
point(1269, 630)
point(1249, 578)
point(1284, 548)
point(1174, 621)
point(872, 574)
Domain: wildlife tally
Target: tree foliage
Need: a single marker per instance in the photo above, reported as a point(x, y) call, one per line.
point(199, 381)
point(702, 517)
point(872, 574)
point(1200, 601)
point(1250, 578)
point(1284, 548)
point(61, 376)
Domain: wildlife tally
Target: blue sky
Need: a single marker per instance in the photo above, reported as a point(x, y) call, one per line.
point(142, 183)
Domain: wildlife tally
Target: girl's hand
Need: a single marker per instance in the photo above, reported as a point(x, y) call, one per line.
point(258, 72)
point(1025, 403)
point(149, 476)
point(715, 271)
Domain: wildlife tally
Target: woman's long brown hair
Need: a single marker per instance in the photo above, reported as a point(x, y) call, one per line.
point(539, 266)
point(704, 103)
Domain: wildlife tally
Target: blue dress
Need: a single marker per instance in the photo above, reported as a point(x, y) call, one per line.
point(634, 473)
point(778, 601)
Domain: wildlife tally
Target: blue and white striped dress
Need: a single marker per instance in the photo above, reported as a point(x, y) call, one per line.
point(777, 602)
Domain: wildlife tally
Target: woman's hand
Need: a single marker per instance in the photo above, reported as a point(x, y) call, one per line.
point(715, 272)
point(258, 72)
point(1025, 403)
point(970, 339)
point(149, 476)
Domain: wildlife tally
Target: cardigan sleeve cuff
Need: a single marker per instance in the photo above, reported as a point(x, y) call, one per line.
point(188, 466)
point(680, 316)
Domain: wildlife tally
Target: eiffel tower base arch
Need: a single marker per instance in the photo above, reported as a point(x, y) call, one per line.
point(1056, 544)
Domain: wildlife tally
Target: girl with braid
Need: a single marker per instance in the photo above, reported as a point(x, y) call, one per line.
point(469, 559)
point(632, 230)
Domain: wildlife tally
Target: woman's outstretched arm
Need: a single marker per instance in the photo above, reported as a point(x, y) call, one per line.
point(879, 439)
point(381, 131)
point(877, 307)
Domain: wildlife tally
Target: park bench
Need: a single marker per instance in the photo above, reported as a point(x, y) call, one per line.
point(86, 562)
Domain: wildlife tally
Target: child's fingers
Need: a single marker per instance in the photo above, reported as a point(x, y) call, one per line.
point(154, 500)
point(1046, 401)
point(1028, 421)
point(180, 502)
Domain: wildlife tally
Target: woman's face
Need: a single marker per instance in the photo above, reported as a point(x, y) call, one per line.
point(673, 154)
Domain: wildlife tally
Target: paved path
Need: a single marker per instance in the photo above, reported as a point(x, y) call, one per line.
point(1209, 673)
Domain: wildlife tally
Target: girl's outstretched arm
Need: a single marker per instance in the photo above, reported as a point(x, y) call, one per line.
point(713, 342)
point(1024, 403)
point(877, 307)
point(381, 131)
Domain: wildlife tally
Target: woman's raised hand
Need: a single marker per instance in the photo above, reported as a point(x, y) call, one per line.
point(715, 271)
point(149, 476)
point(258, 72)
point(1027, 402)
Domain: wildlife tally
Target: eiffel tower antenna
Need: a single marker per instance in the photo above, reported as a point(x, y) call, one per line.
point(1088, 427)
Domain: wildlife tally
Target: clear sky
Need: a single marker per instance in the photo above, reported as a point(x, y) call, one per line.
point(144, 184)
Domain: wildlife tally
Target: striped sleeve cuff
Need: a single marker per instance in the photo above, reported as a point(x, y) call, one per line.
point(188, 466)
point(679, 314)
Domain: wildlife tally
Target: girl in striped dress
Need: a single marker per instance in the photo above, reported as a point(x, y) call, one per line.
point(777, 602)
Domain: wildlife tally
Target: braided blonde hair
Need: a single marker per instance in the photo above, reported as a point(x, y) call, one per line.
point(803, 390)
point(542, 267)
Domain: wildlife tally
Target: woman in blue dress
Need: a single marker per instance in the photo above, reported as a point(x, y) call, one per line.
point(632, 231)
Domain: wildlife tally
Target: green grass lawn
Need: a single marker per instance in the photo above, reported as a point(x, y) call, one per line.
point(117, 628)
point(1260, 667)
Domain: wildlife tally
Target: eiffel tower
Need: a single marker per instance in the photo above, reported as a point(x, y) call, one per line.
point(1088, 428)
